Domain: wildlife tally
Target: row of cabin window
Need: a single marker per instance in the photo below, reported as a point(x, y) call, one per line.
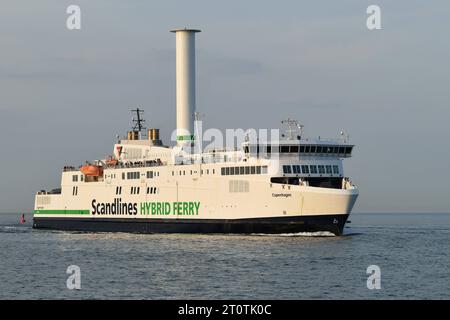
point(136, 190)
point(301, 149)
point(151, 174)
point(75, 178)
point(311, 169)
point(131, 175)
point(226, 171)
point(137, 175)
point(183, 172)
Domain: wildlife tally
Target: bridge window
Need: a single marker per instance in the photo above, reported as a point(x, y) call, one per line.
point(296, 169)
point(313, 169)
point(287, 169)
point(321, 169)
point(75, 178)
point(264, 169)
point(231, 171)
point(328, 168)
point(348, 150)
point(313, 149)
point(294, 149)
point(305, 169)
point(284, 149)
point(336, 169)
point(319, 149)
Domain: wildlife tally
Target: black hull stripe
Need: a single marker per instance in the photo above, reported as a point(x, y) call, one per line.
point(331, 223)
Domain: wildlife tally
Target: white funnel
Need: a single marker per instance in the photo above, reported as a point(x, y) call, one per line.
point(185, 97)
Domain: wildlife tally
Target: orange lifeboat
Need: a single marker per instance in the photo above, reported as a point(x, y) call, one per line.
point(112, 162)
point(92, 170)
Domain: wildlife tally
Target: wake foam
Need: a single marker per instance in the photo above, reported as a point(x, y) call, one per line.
point(298, 234)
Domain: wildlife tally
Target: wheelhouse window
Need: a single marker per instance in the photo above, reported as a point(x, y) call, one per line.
point(321, 169)
point(296, 169)
point(284, 149)
point(305, 169)
point(313, 169)
point(348, 150)
point(336, 169)
point(328, 169)
point(287, 169)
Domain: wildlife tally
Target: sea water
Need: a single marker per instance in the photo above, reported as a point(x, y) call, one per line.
point(412, 252)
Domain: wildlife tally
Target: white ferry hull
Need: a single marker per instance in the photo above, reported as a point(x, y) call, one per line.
point(274, 209)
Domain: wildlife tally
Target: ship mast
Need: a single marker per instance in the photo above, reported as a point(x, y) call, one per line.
point(138, 122)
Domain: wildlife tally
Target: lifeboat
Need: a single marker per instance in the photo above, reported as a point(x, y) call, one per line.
point(92, 170)
point(112, 162)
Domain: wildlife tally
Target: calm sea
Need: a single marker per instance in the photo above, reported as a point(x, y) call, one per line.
point(411, 250)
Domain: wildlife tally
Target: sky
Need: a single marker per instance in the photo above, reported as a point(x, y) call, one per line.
point(66, 94)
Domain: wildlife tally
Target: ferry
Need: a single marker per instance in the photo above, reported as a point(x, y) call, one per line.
point(289, 185)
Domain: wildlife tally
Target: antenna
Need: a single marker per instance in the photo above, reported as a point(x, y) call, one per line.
point(138, 122)
point(293, 126)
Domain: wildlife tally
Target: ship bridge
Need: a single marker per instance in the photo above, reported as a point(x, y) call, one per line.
point(300, 148)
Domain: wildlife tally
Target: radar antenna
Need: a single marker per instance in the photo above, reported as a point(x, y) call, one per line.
point(138, 121)
point(293, 127)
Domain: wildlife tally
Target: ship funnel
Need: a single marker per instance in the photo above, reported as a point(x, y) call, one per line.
point(185, 85)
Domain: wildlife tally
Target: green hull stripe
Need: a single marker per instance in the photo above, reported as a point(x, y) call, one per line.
point(62, 212)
